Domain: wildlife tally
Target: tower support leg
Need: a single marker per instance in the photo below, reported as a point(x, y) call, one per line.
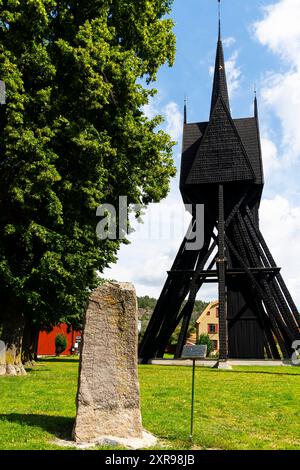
point(221, 263)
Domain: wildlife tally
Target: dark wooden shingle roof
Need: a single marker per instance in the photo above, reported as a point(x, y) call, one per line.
point(220, 154)
point(192, 135)
point(248, 132)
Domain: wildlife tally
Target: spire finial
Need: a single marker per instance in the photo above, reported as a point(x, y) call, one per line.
point(185, 110)
point(219, 15)
point(255, 102)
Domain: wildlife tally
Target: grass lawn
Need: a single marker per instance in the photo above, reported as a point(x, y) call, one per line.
point(246, 408)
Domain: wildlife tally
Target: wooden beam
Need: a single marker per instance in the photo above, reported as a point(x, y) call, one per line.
point(221, 264)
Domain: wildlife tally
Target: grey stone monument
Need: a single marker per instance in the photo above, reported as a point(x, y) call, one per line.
point(2, 358)
point(108, 400)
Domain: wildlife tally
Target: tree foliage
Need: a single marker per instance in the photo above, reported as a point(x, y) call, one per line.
point(73, 136)
point(60, 344)
point(146, 307)
point(147, 302)
point(205, 340)
point(175, 335)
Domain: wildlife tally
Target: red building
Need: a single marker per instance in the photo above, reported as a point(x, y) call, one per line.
point(46, 342)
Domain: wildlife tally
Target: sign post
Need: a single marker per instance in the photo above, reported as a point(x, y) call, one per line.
point(194, 353)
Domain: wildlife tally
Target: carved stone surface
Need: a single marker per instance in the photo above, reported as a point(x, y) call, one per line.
point(2, 353)
point(2, 359)
point(108, 401)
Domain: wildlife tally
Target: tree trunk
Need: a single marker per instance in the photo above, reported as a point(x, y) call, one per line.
point(30, 343)
point(13, 323)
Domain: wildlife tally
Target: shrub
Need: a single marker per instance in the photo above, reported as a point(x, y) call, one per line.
point(60, 344)
point(205, 339)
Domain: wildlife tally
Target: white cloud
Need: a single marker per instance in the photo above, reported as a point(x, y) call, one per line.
point(228, 42)
point(233, 73)
point(150, 110)
point(153, 272)
point(173, 124)
point(281, 94)
point(154, 246)
point(270, 155)
point(279, 31)
point(174, 121)
point(280, 225)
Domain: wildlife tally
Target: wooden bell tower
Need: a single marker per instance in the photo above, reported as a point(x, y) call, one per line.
point(222, 169)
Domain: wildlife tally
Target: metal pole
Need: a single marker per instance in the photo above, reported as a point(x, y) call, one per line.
point(193, 402)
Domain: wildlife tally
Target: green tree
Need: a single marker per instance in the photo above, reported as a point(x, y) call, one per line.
point(147, 302)
point(205, 340)
point(73, 136)
point(175, 336)
point(60, 344)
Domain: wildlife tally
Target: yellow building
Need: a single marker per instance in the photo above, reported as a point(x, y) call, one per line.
point(208, 324)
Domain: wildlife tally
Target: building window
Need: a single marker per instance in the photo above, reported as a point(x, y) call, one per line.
point(214, 345)
point(208, 313)
point(212, 328)
point(217, 312)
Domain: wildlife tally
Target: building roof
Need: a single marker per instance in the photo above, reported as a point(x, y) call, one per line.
point(247, 129)
point(221, 155)
point(212, 304)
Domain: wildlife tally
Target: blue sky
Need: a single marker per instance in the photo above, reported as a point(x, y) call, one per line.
point(262, 48)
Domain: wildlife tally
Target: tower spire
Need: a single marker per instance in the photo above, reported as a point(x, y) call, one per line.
point(220, 88)
point(255, 104)
point(185, 110)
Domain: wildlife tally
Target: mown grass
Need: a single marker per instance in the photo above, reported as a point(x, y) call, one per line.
point(246, 408)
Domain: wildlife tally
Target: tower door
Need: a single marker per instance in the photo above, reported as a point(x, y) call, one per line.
point(245, 331)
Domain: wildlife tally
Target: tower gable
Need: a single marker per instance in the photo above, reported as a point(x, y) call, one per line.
point(221, 156)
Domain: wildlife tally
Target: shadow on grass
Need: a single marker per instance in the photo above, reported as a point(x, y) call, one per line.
point(255, 372)
point(35, 369)
point(57, 359)
point(59, 426)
